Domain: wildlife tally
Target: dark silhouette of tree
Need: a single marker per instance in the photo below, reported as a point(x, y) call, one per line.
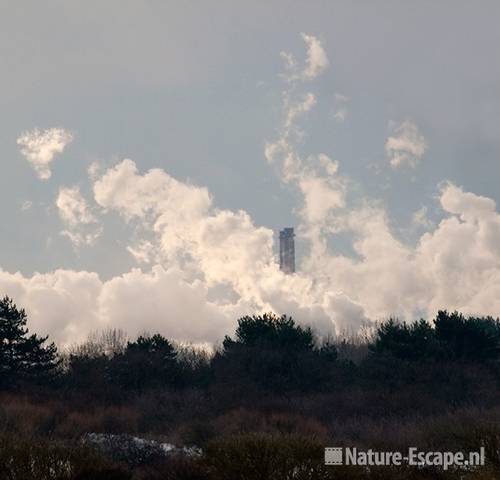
point(470, 338)
point(148, 362)
point(88, 372)
point(406, 341)
point(452, 337)
point(273, 353)
point(272, 331)
point(23, 356)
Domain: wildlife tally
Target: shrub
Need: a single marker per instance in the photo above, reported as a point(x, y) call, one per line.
point(31, 458)
point(266, 457)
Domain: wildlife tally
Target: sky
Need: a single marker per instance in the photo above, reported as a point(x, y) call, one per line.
point(152, 150)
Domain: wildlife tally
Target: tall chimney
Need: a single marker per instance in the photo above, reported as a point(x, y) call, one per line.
point(287, 250)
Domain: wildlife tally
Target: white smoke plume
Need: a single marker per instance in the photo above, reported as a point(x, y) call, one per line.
point(203, 267)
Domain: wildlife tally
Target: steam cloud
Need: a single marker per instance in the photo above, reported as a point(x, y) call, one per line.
point(202, 267)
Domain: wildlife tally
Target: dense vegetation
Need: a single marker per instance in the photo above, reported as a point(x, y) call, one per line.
point(262, 406)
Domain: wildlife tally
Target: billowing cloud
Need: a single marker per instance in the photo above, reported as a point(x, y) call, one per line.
point(163, 300)
point(468, 205)
point(323, 192)
point(69, 304)
point(122, 189)
point(73, 208)
point(220, 243)
point(61, 303)
point(77, 216)
point(222, 248)
point(391, 278)
point(205, 266)
point(40, 147)
point(406, 147)
point(385, 278)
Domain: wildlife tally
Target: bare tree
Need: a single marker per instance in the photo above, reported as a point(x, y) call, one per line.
point(108, 342)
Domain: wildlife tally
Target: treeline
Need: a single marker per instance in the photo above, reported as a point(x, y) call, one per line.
point(267, 355)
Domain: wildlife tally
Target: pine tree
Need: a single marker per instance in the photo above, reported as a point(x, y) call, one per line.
point(22, 356)
point(149, 362)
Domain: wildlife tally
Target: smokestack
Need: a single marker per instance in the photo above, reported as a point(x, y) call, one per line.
point(287, 250)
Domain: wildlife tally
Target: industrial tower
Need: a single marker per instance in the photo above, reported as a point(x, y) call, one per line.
point(287, 250)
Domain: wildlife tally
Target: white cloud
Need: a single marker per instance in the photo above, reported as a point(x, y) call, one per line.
point(221, 248)
point(317, 61)
point(387, 278)
point(144, 252)
point(77, 215)
point(61, 303)
point(133, 195)
point(196, 251)
point(69, 304)
point(40, 146)
point(349, 315)
point(163, 301)
point(216, 249)
point(316, 177)
point(219, 244)
point(199, 248)
point(321, 197)
point(406, 147)
point(73, 208)
point(295, 109)
point(391, 278)
point(467, 205)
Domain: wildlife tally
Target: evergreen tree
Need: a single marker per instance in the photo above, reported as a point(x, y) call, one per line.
point(275, 354)
point(22, 356)
point(149, 362)
point(473, 338)
point(452, 337)
point(271, 331)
